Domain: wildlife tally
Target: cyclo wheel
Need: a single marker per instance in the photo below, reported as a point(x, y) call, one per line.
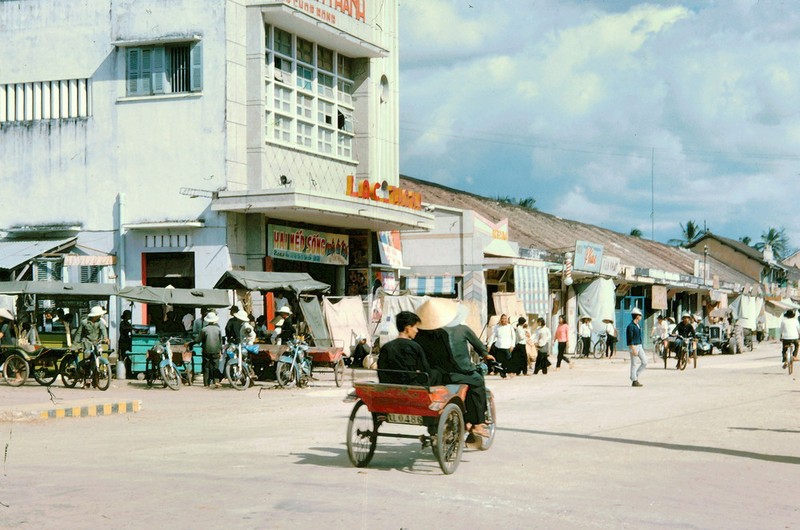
point(69, 370)
point(491, 423)
point(599, 349)
point(45, 370)
point(286, 375)
point(450, 438)
point(170, 376)
point(338, 372)
point(15, 370)
point(239, 378)
point(102, 377)
point(579, 348)
point(362, 435)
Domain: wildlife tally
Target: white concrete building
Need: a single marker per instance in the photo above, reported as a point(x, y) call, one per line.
point(166, 141)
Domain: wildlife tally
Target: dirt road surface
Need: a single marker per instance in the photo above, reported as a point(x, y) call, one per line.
point(713, 447)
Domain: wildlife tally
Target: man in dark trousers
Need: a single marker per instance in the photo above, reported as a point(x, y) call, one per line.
point(633, 334)
point(210, 337)
point(404, 355)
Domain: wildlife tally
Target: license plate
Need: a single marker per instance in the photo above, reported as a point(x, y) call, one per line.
point(404, 418)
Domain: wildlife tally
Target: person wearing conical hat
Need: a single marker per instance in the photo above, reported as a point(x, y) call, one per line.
point(402, 361)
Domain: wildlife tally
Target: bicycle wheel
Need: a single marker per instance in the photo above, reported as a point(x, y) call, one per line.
point(579, 348)
point(170, 376)
point(102, 377)
point(682, 356)
point(491, 422)
point(338, 372)
point(790, 352)
point(15, 370)
point(69, 370)
point(362, 435)
point(599, 349)
point(45, 370)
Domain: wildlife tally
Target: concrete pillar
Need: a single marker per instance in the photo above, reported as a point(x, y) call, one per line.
point(571, 313)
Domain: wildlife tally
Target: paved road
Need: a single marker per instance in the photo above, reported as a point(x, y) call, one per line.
point(715, 447)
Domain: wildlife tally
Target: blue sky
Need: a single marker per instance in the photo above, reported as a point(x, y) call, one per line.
point(574, 103)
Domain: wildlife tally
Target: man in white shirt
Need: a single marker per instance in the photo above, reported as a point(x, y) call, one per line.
point(542, 341)
point(790, 333)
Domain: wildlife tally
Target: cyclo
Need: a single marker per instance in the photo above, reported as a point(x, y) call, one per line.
point(439, 409)
point(50, 308)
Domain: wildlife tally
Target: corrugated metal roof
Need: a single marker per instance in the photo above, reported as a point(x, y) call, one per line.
point(14, 253)
point(535, 229)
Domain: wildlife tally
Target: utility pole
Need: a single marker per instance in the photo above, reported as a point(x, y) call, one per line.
point(652, 196)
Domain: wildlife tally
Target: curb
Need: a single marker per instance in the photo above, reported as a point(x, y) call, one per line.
point(83, 411)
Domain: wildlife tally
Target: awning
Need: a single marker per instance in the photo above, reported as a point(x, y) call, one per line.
point(433, 285)
point(298, 282)
point(532, 287)
point(89, 261)
point(175, 296)
point(14, 252)
point(60, 289)
point(785, 304)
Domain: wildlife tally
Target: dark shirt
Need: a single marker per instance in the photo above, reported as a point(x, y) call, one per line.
point(232, 329)
point(210, 337)
point(436, 345)
point(287, 330)
point(461, 337)
point(683, 330)
point(633, 334)
point(125, 336)
point(402, 354)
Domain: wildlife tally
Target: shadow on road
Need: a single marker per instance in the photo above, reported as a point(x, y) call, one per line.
point(405, 458)
point(781, 459)
point(760, 429)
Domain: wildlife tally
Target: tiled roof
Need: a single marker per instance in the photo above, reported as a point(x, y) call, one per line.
point(539, 230)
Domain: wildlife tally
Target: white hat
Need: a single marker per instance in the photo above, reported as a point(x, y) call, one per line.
point(285, 309)
point(211, 317)
point(686, 315)
point(5, 313)
point(242, 315)
point(96, 311)
point(636, 311)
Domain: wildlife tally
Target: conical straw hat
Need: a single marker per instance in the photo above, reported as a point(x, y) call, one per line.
point(436, 313)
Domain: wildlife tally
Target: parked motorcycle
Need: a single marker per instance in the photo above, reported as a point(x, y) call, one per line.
point(94, 368)
point(160, 364)
point(294, 366)
point(238, 368)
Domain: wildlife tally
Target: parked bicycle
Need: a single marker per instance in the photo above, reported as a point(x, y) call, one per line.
point(598, 349)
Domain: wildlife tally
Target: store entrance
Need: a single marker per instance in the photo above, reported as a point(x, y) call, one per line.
point(161, 269)
point(322, 273)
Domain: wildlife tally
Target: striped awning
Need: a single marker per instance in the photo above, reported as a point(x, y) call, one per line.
point(437, 285)
point(532, 288)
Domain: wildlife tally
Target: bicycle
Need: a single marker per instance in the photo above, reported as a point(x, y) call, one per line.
point(660, 350)
point(688, 348)
point(791, 357)
point(598, 349)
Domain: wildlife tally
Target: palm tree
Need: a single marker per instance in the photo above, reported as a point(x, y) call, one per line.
point(690, 232)
point(527, 203)
point(775, 238)
point(635, 232)
point(746, 240)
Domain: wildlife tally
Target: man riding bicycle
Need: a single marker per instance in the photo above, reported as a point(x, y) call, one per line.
point(683, 332)
point(91, 332)
point(790, 333)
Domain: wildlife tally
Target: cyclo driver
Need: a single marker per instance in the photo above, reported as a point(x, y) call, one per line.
point(446, 343)
point(683, 332)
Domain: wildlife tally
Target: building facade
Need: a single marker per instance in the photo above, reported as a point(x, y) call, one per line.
point(165, 142)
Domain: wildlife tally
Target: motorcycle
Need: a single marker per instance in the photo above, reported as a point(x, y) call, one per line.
point(94, 368)
point(238, 368)
point(159, 364)
point(294, 365)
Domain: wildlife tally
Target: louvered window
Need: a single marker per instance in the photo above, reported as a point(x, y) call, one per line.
point(169, 69)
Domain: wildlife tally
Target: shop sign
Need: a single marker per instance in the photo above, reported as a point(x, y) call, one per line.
point(298, 244)
point(325, 10)
point(609, 266)
point(382, 192)
point(498, 230)
point(588, 257)
point(390, 248)
point(658, 297)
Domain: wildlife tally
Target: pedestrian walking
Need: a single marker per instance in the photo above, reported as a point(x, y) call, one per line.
point(562, 337)
point(519, 357)
point(542, 341)
point(502, 341)
point(633, 335)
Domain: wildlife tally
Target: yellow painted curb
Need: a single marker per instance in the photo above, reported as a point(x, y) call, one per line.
point(106, 409)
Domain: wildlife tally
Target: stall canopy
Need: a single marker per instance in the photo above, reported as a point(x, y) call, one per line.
point(298, 282)
point(312, 312)
point(174, 296)
point(60, 289)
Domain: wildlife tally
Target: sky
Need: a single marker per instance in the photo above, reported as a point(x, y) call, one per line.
point(606, 111)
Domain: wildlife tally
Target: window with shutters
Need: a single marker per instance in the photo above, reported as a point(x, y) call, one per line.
point(169, 69)
point(49, 269)
point(90, 273)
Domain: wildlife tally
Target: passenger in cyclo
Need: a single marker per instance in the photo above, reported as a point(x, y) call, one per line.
point(683, 332)
point(445, 340)
point(402, 355)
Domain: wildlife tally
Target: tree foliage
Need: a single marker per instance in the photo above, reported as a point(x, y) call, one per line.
point(635, 232)
point(777, 239)
point(529, 203)
point(690, 232)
